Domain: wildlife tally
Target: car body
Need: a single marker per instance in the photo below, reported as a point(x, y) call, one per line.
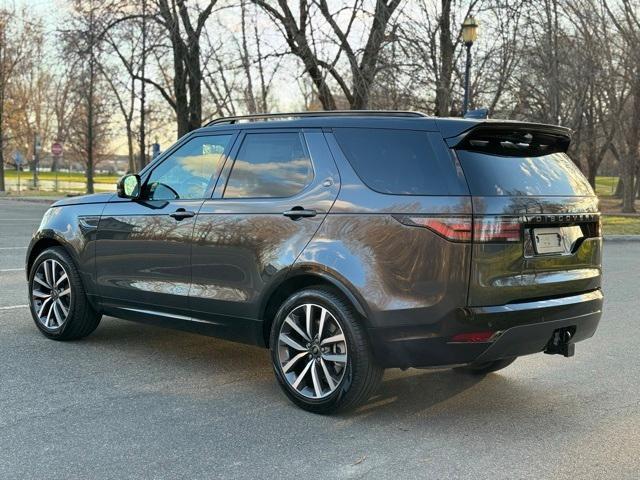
point(454, 241)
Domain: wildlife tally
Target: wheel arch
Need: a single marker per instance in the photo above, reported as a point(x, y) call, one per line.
point(43, 242)
point(299, 280)
point(40, 245)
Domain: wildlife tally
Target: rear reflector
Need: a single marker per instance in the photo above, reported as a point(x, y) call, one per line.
point(472, 337)
point(463, 229)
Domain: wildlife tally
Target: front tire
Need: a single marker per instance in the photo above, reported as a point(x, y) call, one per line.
point(321, 354)
point(57, 298)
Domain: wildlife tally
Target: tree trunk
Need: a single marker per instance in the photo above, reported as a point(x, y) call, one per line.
point(628, 194)
point(249, 97)
point(3, 86)
point(131, 155)
point(591, 175)
point(365, 75)
point(195, 89)
point(182, 102)
point(90, 114)
point(324, 92)
point(619, 187)
point(443, 87)
point(633, 151)
point(143, 64)
point(2, 186)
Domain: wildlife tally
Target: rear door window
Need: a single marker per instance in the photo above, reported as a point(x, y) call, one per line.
point(398, 162)
point(270, 165)
point(496, 175)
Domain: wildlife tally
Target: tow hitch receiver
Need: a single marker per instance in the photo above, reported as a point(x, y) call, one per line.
point(559, 343)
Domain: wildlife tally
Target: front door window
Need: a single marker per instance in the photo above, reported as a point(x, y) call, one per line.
point(188, 172)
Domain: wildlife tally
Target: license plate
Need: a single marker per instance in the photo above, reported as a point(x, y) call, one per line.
point(548, 240)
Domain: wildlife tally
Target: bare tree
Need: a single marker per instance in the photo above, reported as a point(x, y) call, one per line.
point(65, 103)
point(184, 35)
point(627, 21)
point(363, 62)
point(13, 50)
point(83, 43)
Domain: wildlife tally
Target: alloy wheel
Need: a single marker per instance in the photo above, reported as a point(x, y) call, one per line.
point(312, 351)
point(51, 294)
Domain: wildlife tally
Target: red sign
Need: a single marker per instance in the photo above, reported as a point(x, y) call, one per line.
point(56, 149)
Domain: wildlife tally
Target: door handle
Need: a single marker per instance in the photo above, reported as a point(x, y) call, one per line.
point(298, 212)
point(181, 214)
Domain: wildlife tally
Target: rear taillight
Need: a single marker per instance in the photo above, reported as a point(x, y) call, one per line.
point(456, 229)
point(463, 229)
point(497, 229)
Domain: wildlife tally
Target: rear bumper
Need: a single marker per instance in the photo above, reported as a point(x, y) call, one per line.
point(523, 328)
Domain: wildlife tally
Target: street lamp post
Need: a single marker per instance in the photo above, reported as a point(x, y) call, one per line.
point(469, 35)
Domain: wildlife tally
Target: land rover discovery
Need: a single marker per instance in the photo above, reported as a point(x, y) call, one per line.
point(345, 242)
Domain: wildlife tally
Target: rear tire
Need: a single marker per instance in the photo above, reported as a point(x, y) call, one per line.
point(324, 364)
point(57, 298)
point(488, 367)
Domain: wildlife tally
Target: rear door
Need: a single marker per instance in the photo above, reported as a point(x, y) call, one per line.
point(270, 200)
point(536, 222)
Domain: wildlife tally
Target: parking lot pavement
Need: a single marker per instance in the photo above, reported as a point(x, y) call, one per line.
point(134, 401)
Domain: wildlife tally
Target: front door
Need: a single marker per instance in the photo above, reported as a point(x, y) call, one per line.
point(143, 248)
point(268, 204)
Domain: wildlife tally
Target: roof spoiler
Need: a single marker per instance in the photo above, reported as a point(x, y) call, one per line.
point(513, 139)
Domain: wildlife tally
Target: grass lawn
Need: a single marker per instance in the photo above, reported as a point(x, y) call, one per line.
point(63, 176)
point(606, 185)
point(613, 225)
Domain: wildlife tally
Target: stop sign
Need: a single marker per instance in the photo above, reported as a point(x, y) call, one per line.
point(56, 148)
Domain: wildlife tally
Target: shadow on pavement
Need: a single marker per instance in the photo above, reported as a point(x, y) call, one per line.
point(402, 395)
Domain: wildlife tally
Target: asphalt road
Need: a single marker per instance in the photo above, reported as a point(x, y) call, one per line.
point(134, 401)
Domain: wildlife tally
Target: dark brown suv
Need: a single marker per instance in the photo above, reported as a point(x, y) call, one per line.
point(345, 242)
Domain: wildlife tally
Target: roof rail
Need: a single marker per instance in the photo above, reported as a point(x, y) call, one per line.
point(330, 113)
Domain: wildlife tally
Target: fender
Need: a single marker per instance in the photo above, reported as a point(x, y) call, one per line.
point(73, 227)
point(334, 278)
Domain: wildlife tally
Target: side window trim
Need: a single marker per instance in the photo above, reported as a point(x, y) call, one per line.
point(168, 154)
point(221, 183)
point(231, 160)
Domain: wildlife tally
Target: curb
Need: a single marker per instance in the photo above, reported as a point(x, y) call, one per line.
point(626, 215)
point(621, 238)
point(45, 200)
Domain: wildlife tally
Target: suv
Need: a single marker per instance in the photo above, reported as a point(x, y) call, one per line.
point(346, 242)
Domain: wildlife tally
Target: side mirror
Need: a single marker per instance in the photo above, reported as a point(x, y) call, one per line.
point(129, 187)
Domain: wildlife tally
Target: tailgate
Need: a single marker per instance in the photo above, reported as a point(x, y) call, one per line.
point(536, 220)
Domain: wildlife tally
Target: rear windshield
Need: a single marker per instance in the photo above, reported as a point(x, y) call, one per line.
point(399, 162)
point(554, 174)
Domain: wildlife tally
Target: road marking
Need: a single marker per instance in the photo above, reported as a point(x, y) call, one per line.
point(14, 307)
point(12, 270)
point(13, 248)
